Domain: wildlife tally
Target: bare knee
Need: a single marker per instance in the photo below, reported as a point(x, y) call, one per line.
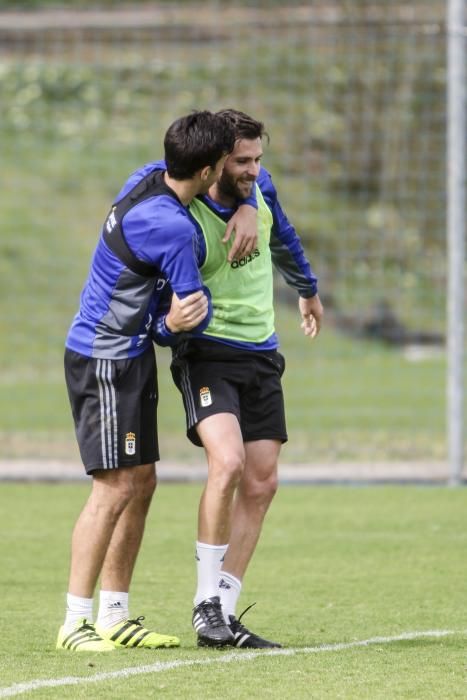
point(144, 488)
point(140, 486)
point(115, 492)
point(226, 470)
point(260, 491)
point(107, 502)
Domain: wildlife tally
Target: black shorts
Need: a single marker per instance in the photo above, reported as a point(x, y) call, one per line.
point(216, 378)
point(114, 406)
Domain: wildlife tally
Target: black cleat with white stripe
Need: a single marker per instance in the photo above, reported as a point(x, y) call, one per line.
point(209, 624)
point(245, 639)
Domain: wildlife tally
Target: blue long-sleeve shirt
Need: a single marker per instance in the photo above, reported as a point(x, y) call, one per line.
point(117, 306)
point(287, 256)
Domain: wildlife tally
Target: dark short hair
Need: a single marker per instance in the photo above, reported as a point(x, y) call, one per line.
point(196, 140)
point(245, 127)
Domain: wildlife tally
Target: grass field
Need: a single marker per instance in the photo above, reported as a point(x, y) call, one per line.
point(345, 399)
point(335, 567)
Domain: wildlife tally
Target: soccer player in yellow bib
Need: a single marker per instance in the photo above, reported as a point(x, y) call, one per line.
point(229, 376)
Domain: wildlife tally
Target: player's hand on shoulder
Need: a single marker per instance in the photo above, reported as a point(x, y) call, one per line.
point(243, 225)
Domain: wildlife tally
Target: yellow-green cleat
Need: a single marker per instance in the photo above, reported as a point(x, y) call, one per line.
point(131, 633)
point(82, 638)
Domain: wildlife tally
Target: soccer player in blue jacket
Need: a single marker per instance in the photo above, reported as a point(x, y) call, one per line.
point(146, 244)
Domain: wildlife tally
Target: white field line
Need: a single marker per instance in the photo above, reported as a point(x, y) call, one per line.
point(220, 658)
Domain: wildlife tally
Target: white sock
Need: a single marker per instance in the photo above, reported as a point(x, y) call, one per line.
point(113, 608)
point(76, 609)
point(228, 588)
point(209, 558)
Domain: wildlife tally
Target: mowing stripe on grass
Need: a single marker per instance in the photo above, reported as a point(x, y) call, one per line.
point(220, 658)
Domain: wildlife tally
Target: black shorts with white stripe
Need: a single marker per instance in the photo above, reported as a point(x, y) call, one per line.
point(217, 378)
point(114, 407)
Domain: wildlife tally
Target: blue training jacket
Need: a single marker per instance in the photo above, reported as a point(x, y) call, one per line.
point(118, 307)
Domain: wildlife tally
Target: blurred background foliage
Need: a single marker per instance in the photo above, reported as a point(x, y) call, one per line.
point(353, 97)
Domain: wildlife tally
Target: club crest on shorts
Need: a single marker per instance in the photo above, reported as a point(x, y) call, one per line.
point(130, 444)
point(205, 398)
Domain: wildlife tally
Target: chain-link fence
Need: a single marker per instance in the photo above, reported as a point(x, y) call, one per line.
point(353, 96)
